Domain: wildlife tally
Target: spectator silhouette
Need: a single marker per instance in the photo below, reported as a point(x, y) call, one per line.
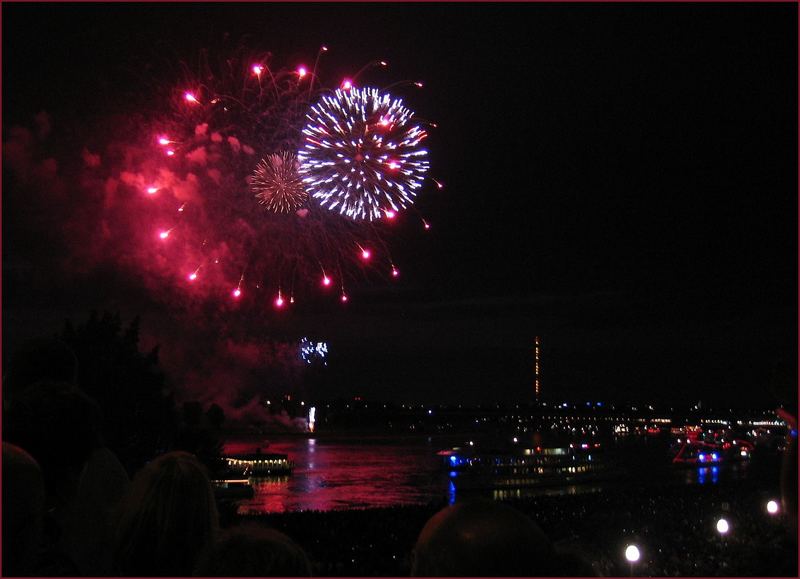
point(23, 512)
point(48, 415)
point(481, 539)
point(253, 551)
point(167, 520)
point(60, 427)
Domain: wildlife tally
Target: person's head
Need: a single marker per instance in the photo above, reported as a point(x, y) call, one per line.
point(59, 426)
point(42, 359)
point(252, 551)
point(167, 519)
point(482, 538)
point(23, 511)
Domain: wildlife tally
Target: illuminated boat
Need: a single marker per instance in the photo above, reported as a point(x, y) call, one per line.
point(259, 464)
point(539, 466)
point(232, 489)
point(699, 452)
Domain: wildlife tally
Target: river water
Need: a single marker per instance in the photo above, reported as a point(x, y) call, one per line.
point(346, 473)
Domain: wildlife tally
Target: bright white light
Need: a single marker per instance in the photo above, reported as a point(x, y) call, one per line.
point(632, 553)
point(723, 526)
point(772, 507)
point(312, 414)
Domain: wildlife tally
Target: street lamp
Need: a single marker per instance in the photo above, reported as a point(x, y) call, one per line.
point(772, 507)
point(632, 554)
point(723, 527)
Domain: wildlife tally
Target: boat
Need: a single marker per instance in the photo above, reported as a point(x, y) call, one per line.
point(693, 451)
point(259, 464)
point(527, 467)
point(232, 489)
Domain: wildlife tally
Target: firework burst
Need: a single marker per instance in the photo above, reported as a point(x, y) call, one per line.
point(238, 137)
point(277, 184)
point(361, 154)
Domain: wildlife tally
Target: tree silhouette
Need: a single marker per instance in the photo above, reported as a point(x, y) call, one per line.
point(139, 411)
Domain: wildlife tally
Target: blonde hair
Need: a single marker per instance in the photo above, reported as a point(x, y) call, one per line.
point(168, 518)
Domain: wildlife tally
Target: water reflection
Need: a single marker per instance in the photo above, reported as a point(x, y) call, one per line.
point(344, 475)
point(703, 474)
point(348, 474)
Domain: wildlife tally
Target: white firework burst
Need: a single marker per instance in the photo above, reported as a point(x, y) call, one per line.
point(361, 154)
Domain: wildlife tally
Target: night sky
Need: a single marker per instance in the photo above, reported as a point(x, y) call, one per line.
point(620, 180)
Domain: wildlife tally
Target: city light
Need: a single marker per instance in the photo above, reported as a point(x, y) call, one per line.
point(632, 553)
point(772, 507)
point(723, 527)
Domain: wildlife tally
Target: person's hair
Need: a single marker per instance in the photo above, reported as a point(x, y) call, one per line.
point(253, 551)
point(482, 538)
point(23, 511)
point(60, 426)
point(168, 518)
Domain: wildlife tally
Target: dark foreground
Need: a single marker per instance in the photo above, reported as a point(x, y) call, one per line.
point(674, 527)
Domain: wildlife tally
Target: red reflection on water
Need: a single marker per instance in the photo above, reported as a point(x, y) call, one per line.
point(334, 475)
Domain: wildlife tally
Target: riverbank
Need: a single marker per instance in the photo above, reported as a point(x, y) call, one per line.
point(673, 525)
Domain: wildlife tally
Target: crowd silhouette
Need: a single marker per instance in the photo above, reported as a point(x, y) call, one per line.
point(81, 499)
